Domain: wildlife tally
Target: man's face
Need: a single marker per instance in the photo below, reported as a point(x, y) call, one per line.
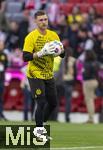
point(81, 34)
point(42, 22)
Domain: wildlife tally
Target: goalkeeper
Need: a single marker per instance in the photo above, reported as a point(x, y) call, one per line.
point(39, 55)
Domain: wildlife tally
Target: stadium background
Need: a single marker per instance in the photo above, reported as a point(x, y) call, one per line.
point(16, 20)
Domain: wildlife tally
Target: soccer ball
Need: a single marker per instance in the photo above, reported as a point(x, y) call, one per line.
point(58, 47)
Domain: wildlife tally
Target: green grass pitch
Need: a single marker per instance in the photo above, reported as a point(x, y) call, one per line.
point(67, 136)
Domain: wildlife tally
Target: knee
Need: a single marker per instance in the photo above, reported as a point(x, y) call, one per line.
point(40, 101)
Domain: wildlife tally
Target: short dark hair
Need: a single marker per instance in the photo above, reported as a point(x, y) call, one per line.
point(39, 13)
point(83, 29)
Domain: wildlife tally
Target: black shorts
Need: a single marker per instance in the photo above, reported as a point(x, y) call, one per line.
point(43, 88)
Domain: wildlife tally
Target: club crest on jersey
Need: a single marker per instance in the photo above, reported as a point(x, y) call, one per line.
point(38, 91)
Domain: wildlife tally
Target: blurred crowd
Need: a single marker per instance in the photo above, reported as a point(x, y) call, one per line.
point(81, 34)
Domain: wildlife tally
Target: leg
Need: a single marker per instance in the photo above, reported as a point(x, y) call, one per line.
point(32, 108)
point(60, 93)
point(1, 97)
point(1, 100)
point(38, 93)
point(68, 94)
point(27, 101)
point(51, 97)
point(40, 103)
point(89, 89)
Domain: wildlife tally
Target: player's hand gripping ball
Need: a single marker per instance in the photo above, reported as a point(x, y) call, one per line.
point(58, 47)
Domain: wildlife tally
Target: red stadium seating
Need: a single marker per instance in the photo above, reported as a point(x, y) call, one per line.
point(99, 7)
point(78, 103)
point(74, 1)
point(85, 1)
point(13, 96)
point(15, 101)
point(91, 1)
point(84, 7)
point(67, 7)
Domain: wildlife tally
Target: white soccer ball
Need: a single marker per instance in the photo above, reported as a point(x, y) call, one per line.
point(58, 47)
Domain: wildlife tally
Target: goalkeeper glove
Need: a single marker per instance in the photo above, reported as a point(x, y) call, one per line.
point(48, 49)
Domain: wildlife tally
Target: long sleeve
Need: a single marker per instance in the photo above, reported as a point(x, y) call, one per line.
point(27, 56)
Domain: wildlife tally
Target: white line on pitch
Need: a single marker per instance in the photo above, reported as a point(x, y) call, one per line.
point(78, 148)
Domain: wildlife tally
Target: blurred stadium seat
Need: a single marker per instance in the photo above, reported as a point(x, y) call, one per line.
point(84, 7)
point(78, 103)
point(99, 7)
point(67, 7)
point(13, 96)
point(74, 1)
point(14, 11)
point(13, 7)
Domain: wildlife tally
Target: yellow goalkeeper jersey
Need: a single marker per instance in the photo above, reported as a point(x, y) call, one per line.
point(41, 68)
